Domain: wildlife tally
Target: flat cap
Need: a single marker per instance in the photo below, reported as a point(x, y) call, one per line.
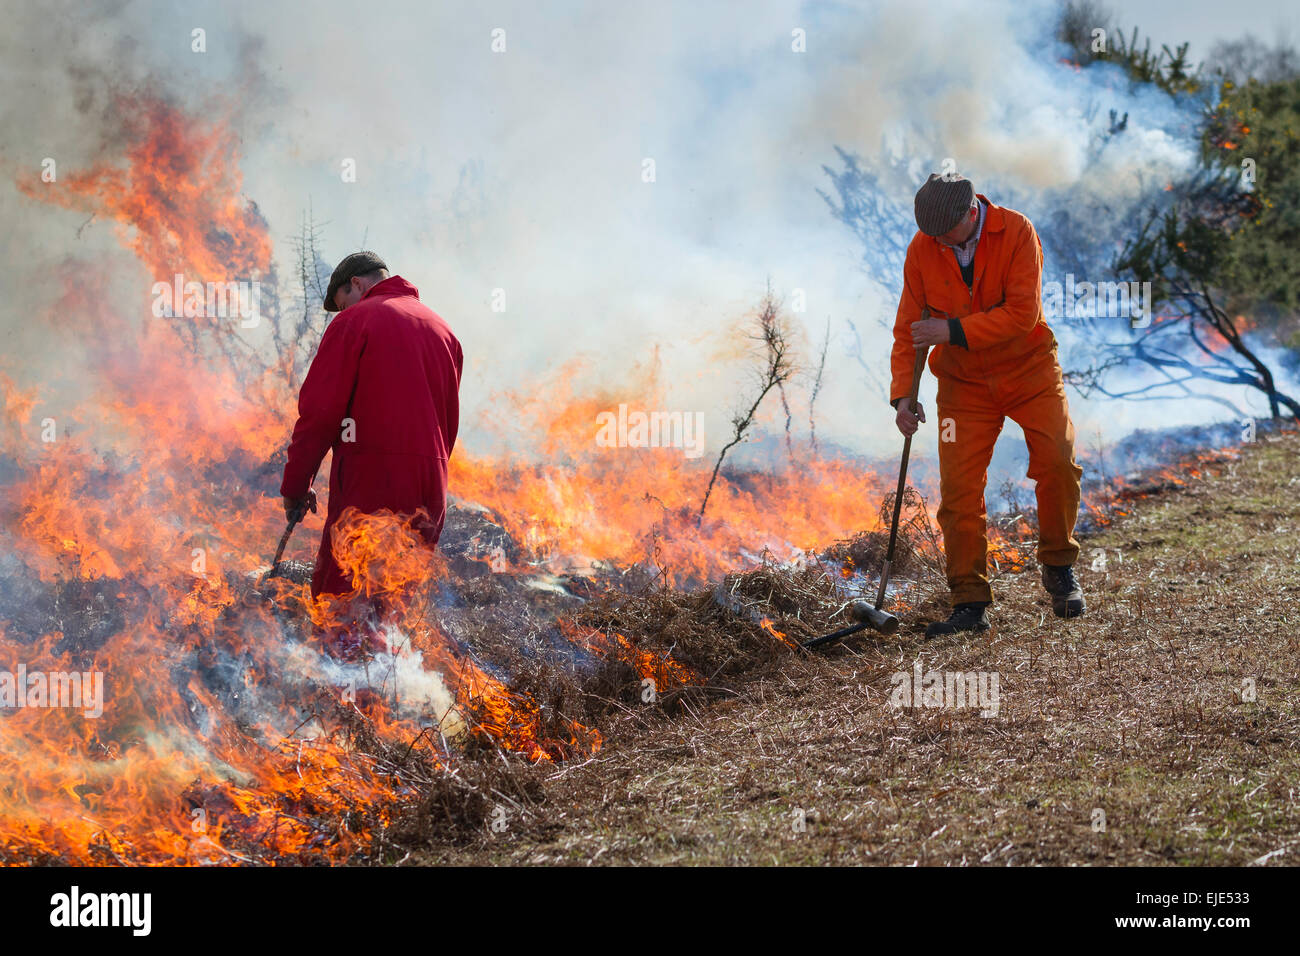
point(941, 203)
point(357, 264)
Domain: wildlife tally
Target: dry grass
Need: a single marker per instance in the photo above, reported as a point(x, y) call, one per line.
point(1135, 711)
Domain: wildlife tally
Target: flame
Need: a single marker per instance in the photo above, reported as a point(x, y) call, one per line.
point(142, 512)
point(177, 203)
point(781, 636)
point(139, 517)
point(663, 673)
point(626, 505)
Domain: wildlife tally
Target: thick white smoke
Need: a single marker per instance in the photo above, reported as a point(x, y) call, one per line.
point(501, 156)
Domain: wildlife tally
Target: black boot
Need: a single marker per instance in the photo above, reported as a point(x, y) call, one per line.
point(967, 616)
point(1067, 596)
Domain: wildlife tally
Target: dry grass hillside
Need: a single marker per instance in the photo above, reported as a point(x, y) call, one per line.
point(1129, 736)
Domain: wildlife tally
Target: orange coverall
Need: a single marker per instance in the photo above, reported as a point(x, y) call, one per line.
point(1009, 370)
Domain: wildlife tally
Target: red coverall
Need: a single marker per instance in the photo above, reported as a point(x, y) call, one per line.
point(393, 367)
point(1008, 369)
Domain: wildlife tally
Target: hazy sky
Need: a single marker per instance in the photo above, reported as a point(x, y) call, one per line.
point(1202, 23)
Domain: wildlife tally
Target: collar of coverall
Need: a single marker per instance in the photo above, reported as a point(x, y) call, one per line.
point(994, 221)
point(393, 285)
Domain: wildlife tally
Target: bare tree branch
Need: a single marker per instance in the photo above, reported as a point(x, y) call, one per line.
point(777, 370)
point(817, 386)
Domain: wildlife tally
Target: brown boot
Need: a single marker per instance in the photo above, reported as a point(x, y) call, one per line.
point(967, 616)
point(1067, 596)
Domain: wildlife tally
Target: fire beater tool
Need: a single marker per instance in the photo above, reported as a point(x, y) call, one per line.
point(296, 515)
point(861, 612)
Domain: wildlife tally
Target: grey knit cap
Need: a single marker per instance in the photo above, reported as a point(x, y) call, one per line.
point(941, 203)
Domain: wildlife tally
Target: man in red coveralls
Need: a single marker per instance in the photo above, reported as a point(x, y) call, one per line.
point(383, 393)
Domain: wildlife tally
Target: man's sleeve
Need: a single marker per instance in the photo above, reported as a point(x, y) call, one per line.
point(1017, 314)
point(902, 359)
point(322, 405)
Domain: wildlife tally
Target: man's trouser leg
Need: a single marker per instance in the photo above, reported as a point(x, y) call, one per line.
point(969, 424)
point(1049, 433)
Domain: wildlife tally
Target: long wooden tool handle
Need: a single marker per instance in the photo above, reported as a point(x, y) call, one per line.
point(294, 517)
point(917, 371)
point(284, 540)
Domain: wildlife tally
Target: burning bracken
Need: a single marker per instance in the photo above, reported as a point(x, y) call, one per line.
point(244, 721)
point(238, 712)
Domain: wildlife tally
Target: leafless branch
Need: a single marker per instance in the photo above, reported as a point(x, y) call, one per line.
point(777, 370)
point(817, 386)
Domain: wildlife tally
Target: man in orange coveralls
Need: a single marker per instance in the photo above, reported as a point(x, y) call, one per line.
point(383, 393)
point(978, 267)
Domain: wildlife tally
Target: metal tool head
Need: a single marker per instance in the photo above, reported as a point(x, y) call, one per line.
point(878, 620)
